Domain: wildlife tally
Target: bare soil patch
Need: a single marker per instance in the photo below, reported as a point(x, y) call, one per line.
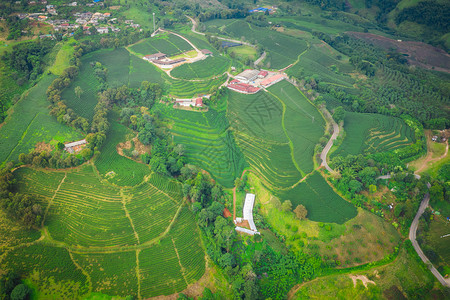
point(363, 278)
point(419, 54)
point(138, 146)
point(42, 146)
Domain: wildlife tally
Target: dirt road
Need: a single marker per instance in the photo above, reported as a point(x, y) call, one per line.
point(324, 154)
point(194, 30)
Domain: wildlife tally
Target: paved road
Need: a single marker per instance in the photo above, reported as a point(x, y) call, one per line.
point(413, 232)
point(412, 237)
point(260, 58)
point(324, 154)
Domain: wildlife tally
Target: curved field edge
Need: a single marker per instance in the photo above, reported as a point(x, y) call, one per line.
point(129, 270)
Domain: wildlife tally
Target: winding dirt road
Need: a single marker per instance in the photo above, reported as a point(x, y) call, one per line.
point(324, 154)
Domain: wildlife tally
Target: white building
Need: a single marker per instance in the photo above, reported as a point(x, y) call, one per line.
point(248, 215)
point(247, 76)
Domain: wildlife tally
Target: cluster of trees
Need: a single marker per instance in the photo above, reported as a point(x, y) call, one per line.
point(57, 159)
point(359, 174)
point(236, 13)
point(430, 13)
point(100, 72)
point(27, 59)
point(23, 208)
point(258, 19)
point(16, 27)
point(398, 89)
point(11, 287)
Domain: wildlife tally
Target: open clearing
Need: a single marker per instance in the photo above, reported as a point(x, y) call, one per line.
point(106, 239)
point(400, 279)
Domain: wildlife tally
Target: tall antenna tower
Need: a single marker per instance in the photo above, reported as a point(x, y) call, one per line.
point(154, 27)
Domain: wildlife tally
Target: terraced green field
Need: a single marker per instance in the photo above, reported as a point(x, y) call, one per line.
point(105, 239)
point(188, 89)
point(211, 66)
point(322, 203)
point(208, 143)
point(111, 165)
point(371, 133)
point(282, 49)
point(168, 44)
point(257, 124)
point(320, 60)
point(303, 124)
point(30, 123)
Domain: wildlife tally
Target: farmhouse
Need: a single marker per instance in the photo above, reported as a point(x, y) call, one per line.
point(243, 88)
point(155, 56)
point(247, 76)
point(206, 52)
point(272, 80)
point(198, 102)
point(75, 146)
point(102, 30)
point(248, 215)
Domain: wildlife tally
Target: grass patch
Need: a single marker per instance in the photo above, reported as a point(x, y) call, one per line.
point(63, 57)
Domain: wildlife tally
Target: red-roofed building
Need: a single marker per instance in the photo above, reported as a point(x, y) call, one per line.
point(155, 56)
point(263, 74)
point(272, 80)
point(199, 102)
point(243, 88)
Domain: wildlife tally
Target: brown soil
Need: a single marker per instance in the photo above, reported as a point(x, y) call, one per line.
point(138, 146)
point(363, 278)
point(42, 146)
point(226, 213)
point(419, 54)
point(243, 224)
point(429, 158)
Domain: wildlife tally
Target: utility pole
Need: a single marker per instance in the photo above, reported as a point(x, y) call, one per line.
point(154, 27)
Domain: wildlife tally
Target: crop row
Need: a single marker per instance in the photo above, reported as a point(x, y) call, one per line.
point(208, 67)
point(322, 203)
point(48, 265)
point(114, 167)
point(151, 211)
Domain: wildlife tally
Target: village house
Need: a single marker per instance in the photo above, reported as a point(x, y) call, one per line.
point(206, 52)
point(102, 30)
point(155, 56)
point(75, 147)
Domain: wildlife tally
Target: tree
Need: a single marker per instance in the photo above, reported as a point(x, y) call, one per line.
point(300, 212)
point(286, 206)
point(20, 292)
point(78, 91)
point(7, 283)
point(339, 114)
point(355, 186)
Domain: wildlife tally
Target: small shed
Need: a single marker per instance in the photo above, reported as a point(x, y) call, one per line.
point(206, 52)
